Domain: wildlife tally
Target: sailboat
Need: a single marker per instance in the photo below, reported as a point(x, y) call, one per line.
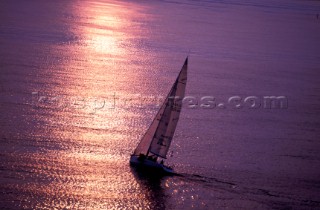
point(154, 145)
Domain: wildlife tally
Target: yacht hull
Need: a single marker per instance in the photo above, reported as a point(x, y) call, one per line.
point(150, 165)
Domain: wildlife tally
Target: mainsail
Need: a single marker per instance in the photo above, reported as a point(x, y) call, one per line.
point(158, 137)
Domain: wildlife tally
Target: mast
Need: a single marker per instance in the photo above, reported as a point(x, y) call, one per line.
point(169, 115)
point(157, 138)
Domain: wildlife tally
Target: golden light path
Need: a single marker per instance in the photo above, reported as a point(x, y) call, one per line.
point(93, 136)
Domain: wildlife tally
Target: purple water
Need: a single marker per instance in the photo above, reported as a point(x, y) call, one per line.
point(81, 81)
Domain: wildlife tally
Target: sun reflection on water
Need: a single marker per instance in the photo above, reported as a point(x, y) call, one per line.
point(89, 168)
point(74, 151)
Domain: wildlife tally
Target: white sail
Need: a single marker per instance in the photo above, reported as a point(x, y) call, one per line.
point(145, 142)
point(158, 137)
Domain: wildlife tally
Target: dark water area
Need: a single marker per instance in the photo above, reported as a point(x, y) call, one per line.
point(80, 82)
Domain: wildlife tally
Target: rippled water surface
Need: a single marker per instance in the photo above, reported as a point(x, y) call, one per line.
point(80, 82)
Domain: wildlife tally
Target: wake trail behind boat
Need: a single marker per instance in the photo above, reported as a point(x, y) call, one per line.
point(204, 179)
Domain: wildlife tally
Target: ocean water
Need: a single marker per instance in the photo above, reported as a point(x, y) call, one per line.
point(80, 82)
